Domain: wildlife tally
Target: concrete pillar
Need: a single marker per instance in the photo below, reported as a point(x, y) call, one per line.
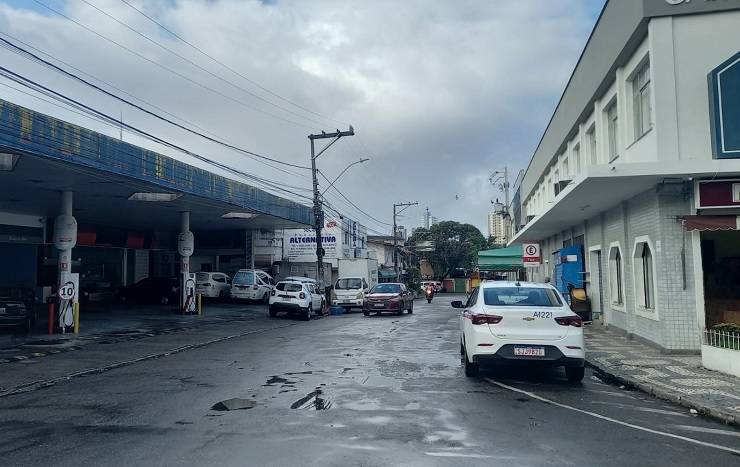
point(65, 234)
point(254, 241)
point(185, 242)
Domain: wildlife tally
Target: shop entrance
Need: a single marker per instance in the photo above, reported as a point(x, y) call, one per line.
point(720, 254)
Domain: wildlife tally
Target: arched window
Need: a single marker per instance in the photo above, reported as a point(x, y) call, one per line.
point(615, 276)
point(644, 276)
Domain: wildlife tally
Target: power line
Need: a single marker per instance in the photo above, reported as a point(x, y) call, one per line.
point(201, 51)
point(353, 204)
point(140, 108)
point(205, 70)
point(38, 87)
point(170, 70)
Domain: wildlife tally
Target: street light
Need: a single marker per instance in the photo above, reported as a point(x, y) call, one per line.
point(342, 173)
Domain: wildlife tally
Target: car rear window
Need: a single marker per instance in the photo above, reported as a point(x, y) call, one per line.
point(289, 287)
point(520, 296)
point(244, 278)
point(351, 283)
point(386, 288)
point(201, 276)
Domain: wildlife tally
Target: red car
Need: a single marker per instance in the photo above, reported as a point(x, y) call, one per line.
point(388, 297)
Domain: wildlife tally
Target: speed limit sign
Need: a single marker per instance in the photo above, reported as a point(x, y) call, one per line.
point(67, 291)
point(531, 254)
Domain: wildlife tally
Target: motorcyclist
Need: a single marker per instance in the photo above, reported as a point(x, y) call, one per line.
point(429, 292)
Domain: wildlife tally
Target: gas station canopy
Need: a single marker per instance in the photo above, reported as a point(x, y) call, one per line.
point(118, 184)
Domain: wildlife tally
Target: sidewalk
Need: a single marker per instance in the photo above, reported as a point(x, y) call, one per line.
point(677, 378)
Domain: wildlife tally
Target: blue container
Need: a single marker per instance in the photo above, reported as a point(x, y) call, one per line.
point(336, 310)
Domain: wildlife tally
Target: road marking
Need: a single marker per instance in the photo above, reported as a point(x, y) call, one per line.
point(614, 420)
point(714, 431)
point(455, 454)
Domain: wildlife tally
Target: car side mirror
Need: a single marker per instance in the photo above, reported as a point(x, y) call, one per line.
point(457, 304)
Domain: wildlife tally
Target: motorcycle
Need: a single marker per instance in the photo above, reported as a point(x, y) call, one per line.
point(429, 293)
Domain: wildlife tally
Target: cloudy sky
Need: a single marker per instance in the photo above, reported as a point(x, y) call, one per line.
point(440, 93)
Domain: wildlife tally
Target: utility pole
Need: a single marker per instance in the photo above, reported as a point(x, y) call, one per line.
point(318, 210)
point(395, 233)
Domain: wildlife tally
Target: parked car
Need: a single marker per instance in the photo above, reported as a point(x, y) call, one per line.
point(252, 284)
point(313, 287)
point(152, 290)
point(349, 292)
point(17, 307)
point(96, 291)
point(519, 323)
point(388, 297)
point(213, 284)
point(295, 298)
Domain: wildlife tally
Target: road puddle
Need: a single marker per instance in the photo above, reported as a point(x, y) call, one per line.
point(314, 400)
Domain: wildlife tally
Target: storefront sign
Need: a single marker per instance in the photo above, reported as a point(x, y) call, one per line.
point(724, 108)
point(719, 194)
point(65, 232)
point(300, 244)
point(531, 255)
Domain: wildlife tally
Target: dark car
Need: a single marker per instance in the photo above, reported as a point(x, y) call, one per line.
point(16, 307)
point(152, 290)
point(388, 297)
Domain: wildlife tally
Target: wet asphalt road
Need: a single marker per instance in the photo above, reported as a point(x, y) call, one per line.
point(336, 391)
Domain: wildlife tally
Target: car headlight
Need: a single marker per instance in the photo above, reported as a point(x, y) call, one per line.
point(359, 295)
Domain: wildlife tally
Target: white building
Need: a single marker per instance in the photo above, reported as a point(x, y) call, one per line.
point(498, 228)
point(640, 163)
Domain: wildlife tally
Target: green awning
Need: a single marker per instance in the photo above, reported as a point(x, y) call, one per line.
point(501, 259)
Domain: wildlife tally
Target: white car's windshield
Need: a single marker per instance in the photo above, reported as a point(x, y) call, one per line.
point(350, 283)
point(244, 278)
point(520, 296)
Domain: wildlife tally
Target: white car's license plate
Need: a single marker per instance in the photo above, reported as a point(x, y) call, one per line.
point(529, 351)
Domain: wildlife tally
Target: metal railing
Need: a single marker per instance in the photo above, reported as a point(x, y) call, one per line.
point(722, 339)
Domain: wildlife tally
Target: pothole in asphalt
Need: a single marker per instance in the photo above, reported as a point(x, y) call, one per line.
point(315, 400)
point(234, 404)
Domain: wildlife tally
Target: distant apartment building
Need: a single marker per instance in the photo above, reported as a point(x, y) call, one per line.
point(640, 166)
point(498, 228)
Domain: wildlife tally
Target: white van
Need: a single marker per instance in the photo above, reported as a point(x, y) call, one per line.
point(349, 292)
point(252, 284)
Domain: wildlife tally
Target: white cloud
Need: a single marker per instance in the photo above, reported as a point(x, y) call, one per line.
point(440, 93)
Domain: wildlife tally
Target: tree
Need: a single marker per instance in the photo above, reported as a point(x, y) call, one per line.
point(449, 245)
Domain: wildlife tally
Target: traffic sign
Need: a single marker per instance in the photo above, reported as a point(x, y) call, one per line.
point(531, 254)
point(67, 291)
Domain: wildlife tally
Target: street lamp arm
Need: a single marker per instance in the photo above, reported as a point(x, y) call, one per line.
point(342, 173)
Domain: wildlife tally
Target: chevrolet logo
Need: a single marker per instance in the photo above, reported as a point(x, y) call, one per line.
point(528, 318)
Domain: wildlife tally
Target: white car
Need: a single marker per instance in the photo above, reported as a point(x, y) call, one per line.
point(212, 284)
point(520, 322)
point(313, 287)
point(252, 284)
point(295, 298)
point(349, 292)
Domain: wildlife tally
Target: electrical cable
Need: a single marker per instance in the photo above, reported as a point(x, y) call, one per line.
point(201, 51)
point(140, 108)
point(170, 70)
point(350, 202)
point(203, 69)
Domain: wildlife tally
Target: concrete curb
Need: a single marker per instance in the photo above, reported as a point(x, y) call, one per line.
point(711, 412)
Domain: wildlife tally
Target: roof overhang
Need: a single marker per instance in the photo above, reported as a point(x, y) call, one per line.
point(103, 173)
point(604, 186)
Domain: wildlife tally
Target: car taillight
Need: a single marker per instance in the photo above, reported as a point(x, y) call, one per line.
point(272, 293)
point(255, 287)
point(486, 319)
point(301, 295)
point(569, 321)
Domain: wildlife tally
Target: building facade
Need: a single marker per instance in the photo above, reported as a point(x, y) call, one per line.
point(637, 166)
point(498, 228)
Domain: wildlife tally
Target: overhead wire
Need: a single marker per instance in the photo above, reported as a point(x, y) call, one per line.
point(170, 70)
point(351, 203)
point(49, 92)
point(196, 65)
point(224, 65)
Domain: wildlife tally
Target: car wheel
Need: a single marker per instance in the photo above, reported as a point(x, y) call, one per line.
point(471, 369)
point(306, 315)
point(273, 312)
point(575, 374)
point(365, 312)
point(411, 308)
